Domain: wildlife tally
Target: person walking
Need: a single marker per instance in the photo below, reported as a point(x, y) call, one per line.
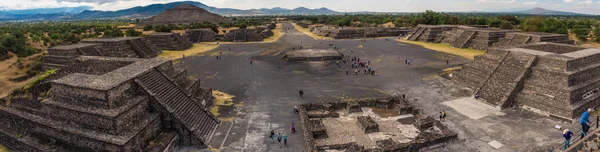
point(356, 71)
point(285, 139)
point(293, 128)
point(585, 121)
point(279, 139)
point(567, 134)
point(408, 62)
point(346, 71)
point(272, 135)
point(301, 93)
point(442, 116)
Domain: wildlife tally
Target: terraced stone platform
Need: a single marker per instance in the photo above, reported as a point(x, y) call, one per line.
point(121, 106)
point(169, 41)
point(559, 79)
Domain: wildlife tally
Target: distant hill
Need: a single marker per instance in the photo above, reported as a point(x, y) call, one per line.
point(542, 11)
point(58, 10)
point(154, 9)
point(531, 11)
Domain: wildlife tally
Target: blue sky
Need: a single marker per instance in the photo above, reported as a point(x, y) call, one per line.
point(579, 6)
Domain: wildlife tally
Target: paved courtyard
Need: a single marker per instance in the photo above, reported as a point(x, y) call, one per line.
point(267, 90)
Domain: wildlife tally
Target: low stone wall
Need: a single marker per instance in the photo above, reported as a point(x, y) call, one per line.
point(367, 124)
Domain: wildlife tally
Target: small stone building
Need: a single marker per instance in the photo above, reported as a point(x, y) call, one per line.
point(429, 33)
point(519, 38)
point(132, 47)
point(126, 104)
point(245, 35)
point(199, 35)
point(559, 79)
point(169, 41)
point(476, 38)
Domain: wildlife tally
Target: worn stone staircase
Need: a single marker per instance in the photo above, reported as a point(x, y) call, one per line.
point(519, 39)
point(143, 49)
point(417, 34)
point(503, 83)
point(463, 39)
point(91, 51)
point(196, 119)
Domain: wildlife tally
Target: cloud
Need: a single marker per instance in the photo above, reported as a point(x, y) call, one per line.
point(579, 1)
point(496, 1)
point(530, 3)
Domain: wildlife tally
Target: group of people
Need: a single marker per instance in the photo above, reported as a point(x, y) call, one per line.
point(356, 65)
point(282, 137)
point(585, 123)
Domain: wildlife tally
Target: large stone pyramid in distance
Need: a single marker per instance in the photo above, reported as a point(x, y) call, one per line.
point(185, 14)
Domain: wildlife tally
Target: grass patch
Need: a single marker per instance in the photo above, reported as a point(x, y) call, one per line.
point(446, 48)
point(307, 32)
point(298, 72)
point(360, 46)
point(198, 48)
point(4, 149)
point(222, 98)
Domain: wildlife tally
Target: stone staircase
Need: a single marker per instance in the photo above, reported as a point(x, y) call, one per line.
point(143, 49)
point(503, 83)
point(416, 34)
point(90, 51)
point(438, 39)
point(463, 39)
point(240, 36)
point(474, 75)
point(196, 119)
point(519, 39)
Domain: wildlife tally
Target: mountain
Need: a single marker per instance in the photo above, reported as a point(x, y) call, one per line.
point(154, 9)
point(68, 10)
point(542, 11)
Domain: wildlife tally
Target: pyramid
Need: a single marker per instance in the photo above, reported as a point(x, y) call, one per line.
point(185, 14)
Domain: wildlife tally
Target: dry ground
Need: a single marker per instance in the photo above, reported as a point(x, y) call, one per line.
point(9, 68)
point(446, 48)
point(308, 33)
point(198, 48)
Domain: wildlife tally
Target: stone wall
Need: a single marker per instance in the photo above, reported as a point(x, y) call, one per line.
point(199, 35)
point(367, 124)
point(169, 41)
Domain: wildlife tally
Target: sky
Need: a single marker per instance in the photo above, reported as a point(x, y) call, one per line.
point(578, 6)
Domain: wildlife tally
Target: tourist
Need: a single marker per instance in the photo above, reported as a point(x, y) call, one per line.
point(356, 71)
point(217, 57)
point(403, 96)
point(408, 62)
point(447, 62)
point(585, 121)
point(369, 62)
point(293, 128)
point(278, 67)
point(221, 53)
point(279, 138)
point(346, 71)
point(285, 139)
point(442, 116)
point(373, 72)
point(369, 69)
point(405, 61)
point(567, 134)
point(337, 62)
point(272, 135)
point(365, 70)
point(250, 62)
point(296, 110)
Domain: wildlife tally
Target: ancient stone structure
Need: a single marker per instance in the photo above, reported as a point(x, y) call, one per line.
point(169, 41)
point(353, 33)
point(317, 134)
point(367, 124)
point(247, 35)
point(476, 38)
point(312, 55)
point(429, 33)
point(199, 35)
point(183, 14)
point(65, 55)
point(559, 79)
point(133, 47)
point(110, 104)
point(519, 38)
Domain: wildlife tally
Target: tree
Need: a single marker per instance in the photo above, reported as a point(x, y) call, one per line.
point(113, 33)
point(581, 31)
point(506, 25)
point(132, 32)
point(597, 33)
point(162, 28)
point(148, 27)
point(532, 24)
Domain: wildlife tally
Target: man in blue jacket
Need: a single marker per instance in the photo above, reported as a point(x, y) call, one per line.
point(585, 121)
